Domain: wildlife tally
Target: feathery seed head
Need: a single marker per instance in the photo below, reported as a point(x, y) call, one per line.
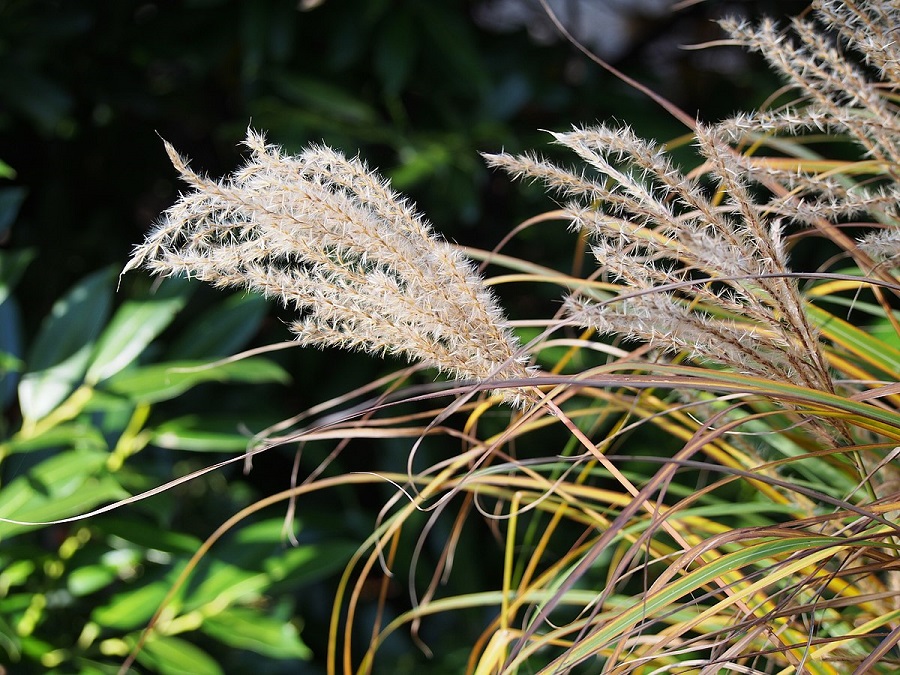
point(326, 236)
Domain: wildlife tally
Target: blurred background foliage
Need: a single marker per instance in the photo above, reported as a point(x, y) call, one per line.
point(418, 88)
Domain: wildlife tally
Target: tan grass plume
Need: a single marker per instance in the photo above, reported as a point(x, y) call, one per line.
point(326, 236)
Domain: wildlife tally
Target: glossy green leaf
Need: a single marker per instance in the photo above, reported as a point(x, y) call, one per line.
point(135, 325)
point(309, 563)
point(15, 573)
point(34, 647)
point(174, 656)
point(10, 642)
point(200, 435)
point(244, 628)
point(294, 565)
point(163, 381)
point(223, 330)
point(92, 492)
point(91, 667)
point(223, 583)
point(89, 579)
point(59, 356)
point(67, 484)
point(77, 434)
point(132, 608)
point(148, 535)
point(6, 171)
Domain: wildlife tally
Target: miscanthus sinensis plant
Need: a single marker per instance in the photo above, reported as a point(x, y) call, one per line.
point(782, 556)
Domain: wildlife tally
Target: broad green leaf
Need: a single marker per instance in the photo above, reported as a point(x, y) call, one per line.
point(85, 666)
point(132, 608)
point(90, 493)
point(15, 573)
point(148, 535)
point(244, 628)
point(86, 580)
point(135, 325)
point(69, 435)
point(309, 563)
point(223, 583)
point(174, 656)
point(6, 171)
point(68, 484)
point(163, 381)
point(10, 642)
point(35, 648)
point(59, 357)
point(200, 435)
point(296, 565)
point(223, 330)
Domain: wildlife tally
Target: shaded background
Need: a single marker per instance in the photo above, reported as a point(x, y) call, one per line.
point(417, 87)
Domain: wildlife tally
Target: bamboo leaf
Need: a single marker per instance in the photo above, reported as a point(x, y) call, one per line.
point(244, 628)
point(135, 325)
point(61, 351)
point(174, 656)
point(163, 381)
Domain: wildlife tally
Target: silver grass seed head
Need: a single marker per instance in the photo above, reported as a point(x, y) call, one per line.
point(328, 237)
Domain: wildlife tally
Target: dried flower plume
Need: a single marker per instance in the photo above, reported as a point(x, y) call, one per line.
point(656, 231)
point(326, 236)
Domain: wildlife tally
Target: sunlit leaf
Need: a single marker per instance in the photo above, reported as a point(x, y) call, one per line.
point(67, 484)
point(59, 357)
point(89, 579)
point(223, 583)
point(77, 434)
point(244, 628)
point(134, 326)
point(200, 435)
point(174, 656)
point(132, 608)
point(148, 535)
point(162, 381)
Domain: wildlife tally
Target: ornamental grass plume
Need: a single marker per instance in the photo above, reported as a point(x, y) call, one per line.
point(845, 66)
point(700, 276)
point(326, 236)
point(704, 269)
